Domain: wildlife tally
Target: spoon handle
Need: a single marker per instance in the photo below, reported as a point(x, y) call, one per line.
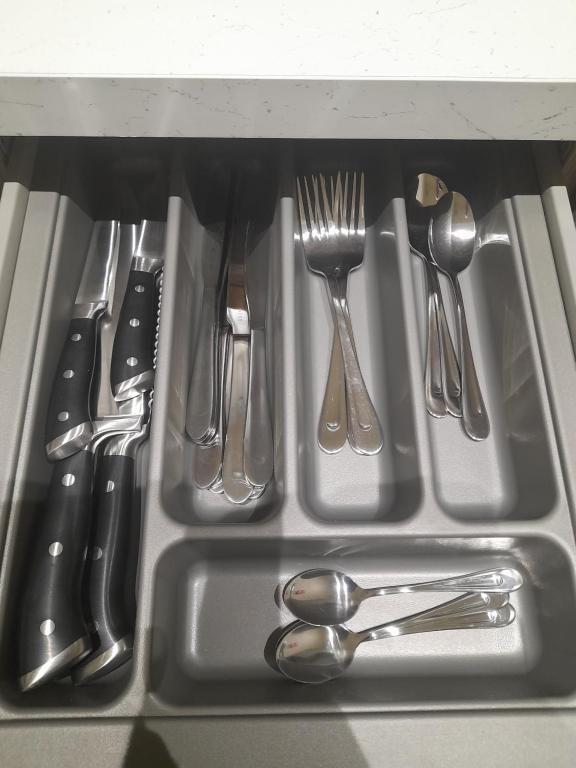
point(474, 415)
point(495, 580)
point(480, 610)
point(434, 390)
point(450, 369)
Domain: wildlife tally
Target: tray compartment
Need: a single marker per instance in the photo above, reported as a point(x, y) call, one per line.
point(215, 610)
point(85, 177)
point(196, 229)
point(511, 474)
point(345, 486)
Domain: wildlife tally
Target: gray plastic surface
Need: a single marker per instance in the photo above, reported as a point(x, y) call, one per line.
point(431, 504)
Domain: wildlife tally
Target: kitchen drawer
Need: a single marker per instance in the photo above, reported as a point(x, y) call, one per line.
point(431, 503)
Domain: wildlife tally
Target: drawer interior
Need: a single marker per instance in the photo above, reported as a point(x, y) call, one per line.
point(431, 504)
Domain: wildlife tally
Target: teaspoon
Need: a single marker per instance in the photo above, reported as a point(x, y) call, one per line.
point(324, 597)
point(451, 239)
point(313, 654)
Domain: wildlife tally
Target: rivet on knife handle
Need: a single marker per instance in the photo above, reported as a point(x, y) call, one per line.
point(68, 423)
point(106, 571)
point(132, 367)
point(52, 632)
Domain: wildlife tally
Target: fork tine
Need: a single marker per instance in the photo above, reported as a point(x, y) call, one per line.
point(361, 221)
point(303, 225)
point(353, 204)
point(313, 223)
point(317, 207)
point(327, 207)
point(345, 205)
point(337, 202)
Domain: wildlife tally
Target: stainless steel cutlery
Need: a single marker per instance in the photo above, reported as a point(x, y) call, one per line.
point(321, 596)
point(451, 241)
point(442, 234)
point(309, 653)
point(232, 430)
point(333, 230)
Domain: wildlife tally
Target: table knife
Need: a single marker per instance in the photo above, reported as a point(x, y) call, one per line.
point(132, 370)
point(69, 423)
point(258, 441)
point(236, 487)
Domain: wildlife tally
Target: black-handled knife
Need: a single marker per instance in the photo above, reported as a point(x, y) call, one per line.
point(53, 635)
point(132, 368)
point(111, 571)
point(69, 423)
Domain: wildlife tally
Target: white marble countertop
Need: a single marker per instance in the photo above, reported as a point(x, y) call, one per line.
point(452, 68)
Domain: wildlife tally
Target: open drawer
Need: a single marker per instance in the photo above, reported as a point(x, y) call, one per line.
point(432, 503)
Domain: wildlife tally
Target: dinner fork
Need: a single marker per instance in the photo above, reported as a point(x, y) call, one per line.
point(333, 237)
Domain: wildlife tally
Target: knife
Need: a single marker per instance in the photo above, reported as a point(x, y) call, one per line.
point(52, 632)
point(111, 573)
point(237, 489)
point(52, 596)
point(258, 442)
point(202, 408)
point(132, 370)
point(69, 424)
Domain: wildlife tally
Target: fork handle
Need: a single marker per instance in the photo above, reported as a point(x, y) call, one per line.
point(333, 424)
point(363, 425)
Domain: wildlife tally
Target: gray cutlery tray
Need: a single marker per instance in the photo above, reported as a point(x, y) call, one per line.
point(431, 504)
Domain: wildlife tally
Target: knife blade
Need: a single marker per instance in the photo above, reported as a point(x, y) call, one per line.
point(236, 487)
point(52, 595)
point(69, 423)
point(132, 369)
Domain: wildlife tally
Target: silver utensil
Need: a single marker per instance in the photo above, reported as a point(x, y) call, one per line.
point(236, 487)
point(451, 239)
point(258, 441)
point(333, 242)
point(442, 373)
point(203, 395)
point(207, 466)
point(323, 596)
point(316, 654)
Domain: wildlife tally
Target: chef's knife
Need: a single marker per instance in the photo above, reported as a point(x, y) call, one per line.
point(132, 369)
point(236, 487)
point(69, 423)
point(258, 443)
point(111, 573)
point(53, 635)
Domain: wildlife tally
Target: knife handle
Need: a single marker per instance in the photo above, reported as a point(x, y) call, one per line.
point(236, 487)
point(258, 443)
point(107, 570)
point(132, 364)
point(52, 632)
point(68, 424)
